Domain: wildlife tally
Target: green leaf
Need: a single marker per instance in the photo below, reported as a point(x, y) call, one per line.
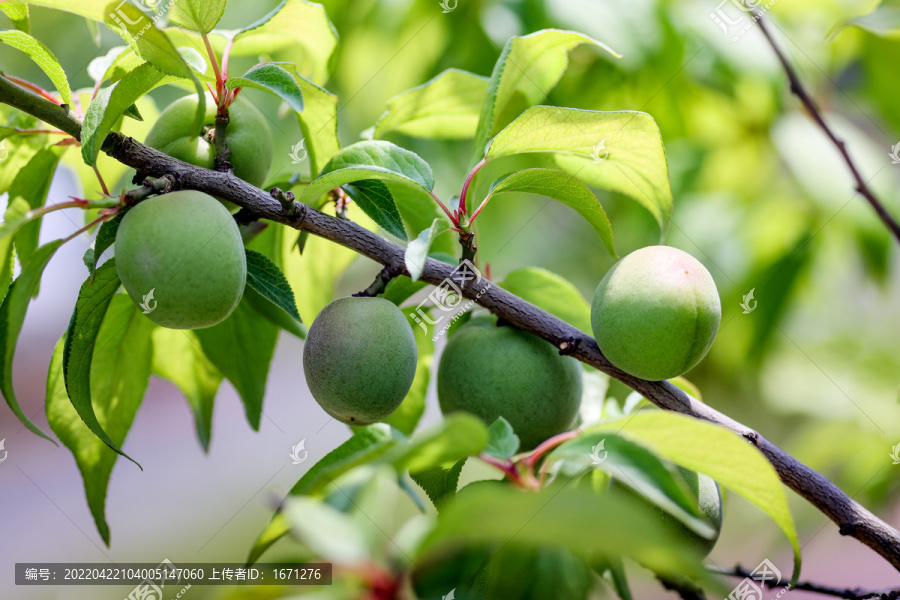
point(561, 186)
point(106, 236)
point(375, 199)
point(446, 107)
point(32, 184)
point(417, 250)
point(569, 517)
point(98, 68)
point(884, 21)
point(440, 483)
point(318, 123)
point(275, 314)
point(111, 103)
point(528, 68)
point(266, 278)
point(274, 79)
point(636, 467)
point(12, 315)
point(367, 445)
point(42, 56)
point(179, 358)
point(121, 372)
point(552, 293)
point(406, 417)
point(620, 151)
point(91, 9)
point(458, 436)
point(370, 160)
point(241, 347)
point(197, 15)
point(81, 341)
point(15, 217)
point(723, 455)
point(502, 443)
point(154, 46)
point(297, 28)
point(329, 533)
point(17, 12)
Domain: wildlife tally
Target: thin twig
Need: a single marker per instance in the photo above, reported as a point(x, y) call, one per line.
point(812, 108)
point(825, 590)
point(852, 518)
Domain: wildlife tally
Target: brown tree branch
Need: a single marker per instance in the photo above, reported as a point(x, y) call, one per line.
point(812, 108)
point(852, 519)
point(825, 590)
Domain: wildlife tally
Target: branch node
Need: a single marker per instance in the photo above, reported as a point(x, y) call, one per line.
point(568, 346)
point(150, 186)
point(286, 199)
point(752, 436)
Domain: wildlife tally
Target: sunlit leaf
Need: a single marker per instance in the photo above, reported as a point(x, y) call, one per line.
point(274, 79)
point(17, 12)
point(32, 184)
point(42, 56)
point(197, 15)
point(551, 292)
point(418, 249)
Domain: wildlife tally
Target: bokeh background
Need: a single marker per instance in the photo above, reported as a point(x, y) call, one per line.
point(760, 198)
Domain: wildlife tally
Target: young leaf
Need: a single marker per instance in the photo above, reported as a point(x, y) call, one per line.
point(370, 160)
point(561, 186)
point(717, 452)
point(619, 151)
point(12, 315)
point(270, 287)
point(502, 442)
point(406, 416)
point(637, 468)
point(418, 249)
point(91, 9)
point(154, 46)
point(241, 347)
point(121, 372)
point(111, 103)
point(42, 56)
point(32, 184)
point(81, 341)
point(375, 199)
point(551, 292)
point(367, 445)
point(17, 12)
point(528, 68)
point(446, 107)
point(439, 483)
point(178, 357)
point(458, 436)
point(197, 15)
point(291, 26)
point(274, 79)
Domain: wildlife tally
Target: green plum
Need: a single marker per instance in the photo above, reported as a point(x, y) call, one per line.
point(705, 491)
point(181, 259)
point(360, 359)
point(503, 371)
point(249, 137)
point(656, 313)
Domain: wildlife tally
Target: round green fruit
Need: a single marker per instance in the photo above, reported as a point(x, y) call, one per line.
point(503, 371)
point(360, 359)
point(181, 259)
point(656, 313)
point(249, 138)
point(705, 491)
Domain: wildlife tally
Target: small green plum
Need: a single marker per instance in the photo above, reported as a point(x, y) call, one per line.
point(181, 258)
point(505, 372)
point(656, 313)
point(360, 359)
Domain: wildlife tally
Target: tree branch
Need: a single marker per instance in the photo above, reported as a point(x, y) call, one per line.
point(812, 108)
point(825, 590)
point(852, 519)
